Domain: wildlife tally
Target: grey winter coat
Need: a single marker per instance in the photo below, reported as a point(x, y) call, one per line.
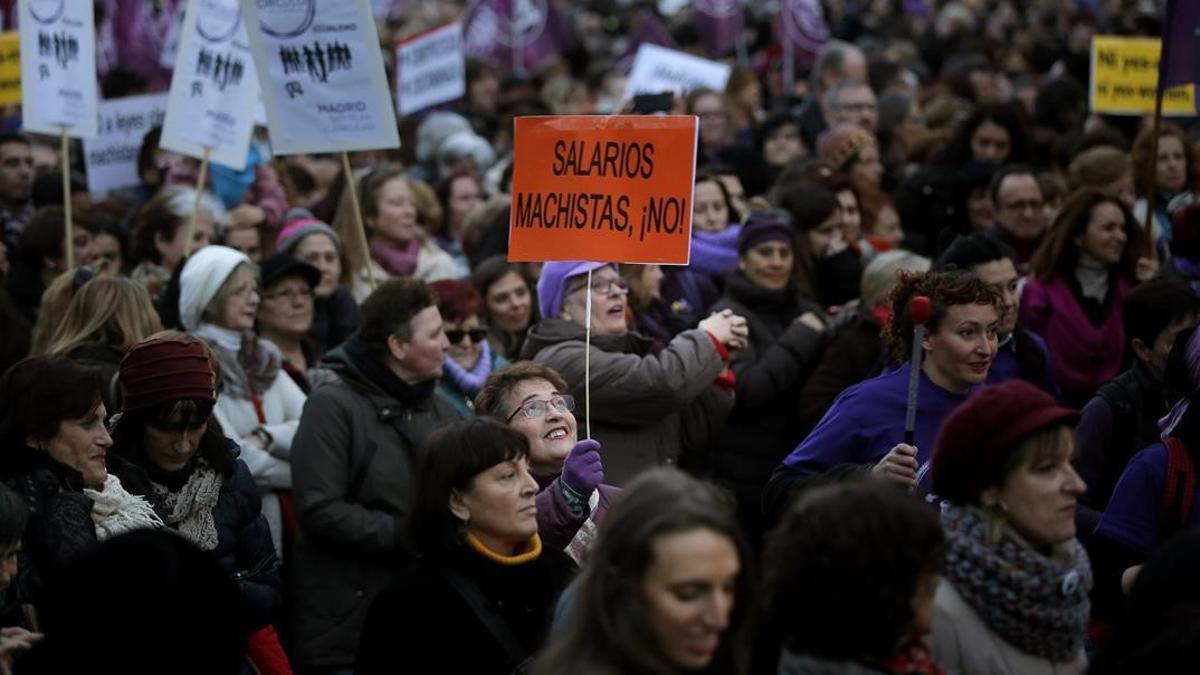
point(647, 409)
point(353, 460)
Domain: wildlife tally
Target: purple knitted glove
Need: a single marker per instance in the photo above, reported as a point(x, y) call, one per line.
point(582, 469)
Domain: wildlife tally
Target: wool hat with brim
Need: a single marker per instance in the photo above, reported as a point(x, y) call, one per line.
point(201, 279)
point(979, 437)
point(164, 370)
point(281, 266)
point(552, 283)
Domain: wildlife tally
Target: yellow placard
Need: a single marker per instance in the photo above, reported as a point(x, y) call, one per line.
point(1125, 75)
point(10, 68)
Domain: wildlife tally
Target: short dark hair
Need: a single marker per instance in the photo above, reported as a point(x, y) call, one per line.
point(7, 138)
point(969, 250)
point(500, 384)
point(448, 460)
point(1154, 305)
point(851, 555)
point(14, 515)
point(389, 310)
point(39, 393)
point(1004, 173)
point(42, 238)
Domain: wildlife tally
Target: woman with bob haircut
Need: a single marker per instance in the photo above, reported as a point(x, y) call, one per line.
point(863, 431)
point(848, 582)
point(1081, 274)
point(1014, 594)
point(481, 573)
point(666, 590)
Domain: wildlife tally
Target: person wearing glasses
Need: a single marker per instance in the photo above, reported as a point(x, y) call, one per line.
point(259, 404)
point(1020, 221)
point(572, 498)
point(647, 409)
point(470, 360)
point(285, 315)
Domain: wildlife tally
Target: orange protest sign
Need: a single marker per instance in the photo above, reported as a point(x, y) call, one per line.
point(608, 188)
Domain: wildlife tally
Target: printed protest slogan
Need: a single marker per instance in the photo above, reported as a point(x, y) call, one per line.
point(616, 188)
point(111, 157)
point(10, 68)
point(658, 69)
point(213, 89)
point(1125, 76)
point(430, 69)
point(324, 87)
point(58, 67)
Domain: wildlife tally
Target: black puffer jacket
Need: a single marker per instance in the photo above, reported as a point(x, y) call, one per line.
point(764, 425)
point(244, 547)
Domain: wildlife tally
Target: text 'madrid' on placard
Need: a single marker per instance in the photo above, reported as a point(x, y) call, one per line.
point(611, 188)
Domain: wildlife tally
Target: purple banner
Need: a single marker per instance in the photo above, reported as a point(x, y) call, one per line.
point(801, 25)
point(646, 28)
point(1180, 63)
point(517, 36)
point(719, 23)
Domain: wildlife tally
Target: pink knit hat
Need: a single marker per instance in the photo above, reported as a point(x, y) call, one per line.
point(298, 224)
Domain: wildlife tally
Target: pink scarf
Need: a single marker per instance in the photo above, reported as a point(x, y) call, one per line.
point(397, 261)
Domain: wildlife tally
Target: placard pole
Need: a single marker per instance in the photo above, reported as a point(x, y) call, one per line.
point(68, 226)
point(359, 227)
point(587, 359)
point(190, 237)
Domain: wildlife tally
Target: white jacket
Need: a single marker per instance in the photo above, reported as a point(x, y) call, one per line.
point(433, 264)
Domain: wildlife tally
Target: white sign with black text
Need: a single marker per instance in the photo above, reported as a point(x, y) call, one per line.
point(213, 90)
point(110, 158)
point(430, 69)
point(324, 86)
point(658, 69)
point(58, 67)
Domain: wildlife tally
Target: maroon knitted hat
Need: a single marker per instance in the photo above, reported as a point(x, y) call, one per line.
point(979, 436)
point(164, 370)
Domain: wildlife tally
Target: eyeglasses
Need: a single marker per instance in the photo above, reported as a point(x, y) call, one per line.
point(1027, 205)
point(476, 334)
point(602, 286)
point(538, 408)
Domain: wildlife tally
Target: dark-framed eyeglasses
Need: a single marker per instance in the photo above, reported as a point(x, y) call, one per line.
point(477, 335)
point(602, 286)
point(539, 407)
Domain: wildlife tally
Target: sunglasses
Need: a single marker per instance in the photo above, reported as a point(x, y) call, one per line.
point(476, 334)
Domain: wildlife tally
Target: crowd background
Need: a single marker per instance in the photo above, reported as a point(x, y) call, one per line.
point(375, 459)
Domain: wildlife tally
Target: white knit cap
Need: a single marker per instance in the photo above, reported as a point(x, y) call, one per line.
point(201, 279)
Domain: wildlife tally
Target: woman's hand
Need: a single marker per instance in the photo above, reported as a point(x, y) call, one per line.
point(13, 641)
point(1147, 269)
point(899, 466)
point(729, 328)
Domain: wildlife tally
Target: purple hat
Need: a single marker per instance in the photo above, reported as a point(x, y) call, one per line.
point(765, 225)
point(552, 284)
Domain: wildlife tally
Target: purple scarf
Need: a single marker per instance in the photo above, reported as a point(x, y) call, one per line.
point(714, 254)
point(470, 382)
point(397, 261)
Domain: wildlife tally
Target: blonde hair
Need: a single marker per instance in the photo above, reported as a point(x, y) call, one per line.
point(55, 300)
point(112, 310)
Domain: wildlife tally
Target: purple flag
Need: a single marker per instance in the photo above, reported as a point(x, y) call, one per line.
point(719, 23)
point(801, 24)
point(1180, 62)
point(646, 28)
point(518, 36)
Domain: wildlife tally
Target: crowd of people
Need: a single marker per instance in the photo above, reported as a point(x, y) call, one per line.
point(238, 435)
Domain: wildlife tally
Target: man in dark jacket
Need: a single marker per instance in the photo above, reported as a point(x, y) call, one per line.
point(373, 403)
point(1122, 418)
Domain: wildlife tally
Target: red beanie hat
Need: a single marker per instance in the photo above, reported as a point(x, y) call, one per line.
point(978, 438)
point(164, 370)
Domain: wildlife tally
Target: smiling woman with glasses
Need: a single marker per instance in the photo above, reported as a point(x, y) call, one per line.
point(470, 359)
point(572, 499)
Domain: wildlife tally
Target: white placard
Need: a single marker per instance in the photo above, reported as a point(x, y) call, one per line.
point(58, 67)
point(322, 72)
point(658, 69)
point(110, 158)
point(430, 69)
point(214, 87)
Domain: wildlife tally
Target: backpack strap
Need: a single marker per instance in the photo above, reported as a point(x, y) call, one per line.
point(1179, 490)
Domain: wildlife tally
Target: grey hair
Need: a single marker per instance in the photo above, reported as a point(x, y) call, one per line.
point(182, 198)
point(830, 59)
point(881, 275)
